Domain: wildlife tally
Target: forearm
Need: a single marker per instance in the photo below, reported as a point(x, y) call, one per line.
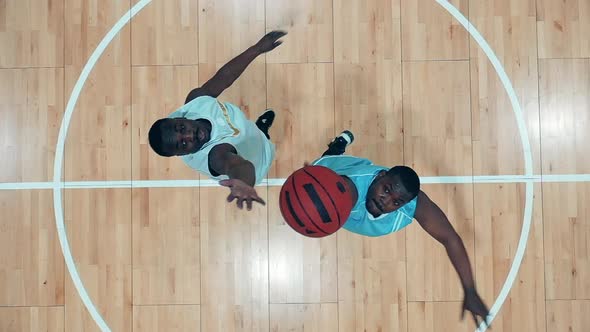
point(244, 171)
point(227, 74)
point(460, 260)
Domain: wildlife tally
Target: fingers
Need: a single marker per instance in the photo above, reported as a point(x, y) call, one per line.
point(488, 326)
point(249, 201)
point(270, 41)
point(482, 309)
point(483, 312)
point(477, 309)
point(242, 194)
point(276, 44)
point(276, 34)
point(484, 320)
point(240, 203)
point(259, 200)
point(241, 200)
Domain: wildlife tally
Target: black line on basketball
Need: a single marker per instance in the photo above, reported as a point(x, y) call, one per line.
point(291, 210)
point(341, 187)
point(340, 221)
point(304, 210)
point(317, 202)
point(289, 201)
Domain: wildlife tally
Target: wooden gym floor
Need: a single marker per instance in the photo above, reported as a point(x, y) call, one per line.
point(403, 75)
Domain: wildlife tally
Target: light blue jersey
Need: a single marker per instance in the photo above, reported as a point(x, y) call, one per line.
point(228, 125)
point(362, 172)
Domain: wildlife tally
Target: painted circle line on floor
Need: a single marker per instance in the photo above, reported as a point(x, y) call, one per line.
point(58, 184)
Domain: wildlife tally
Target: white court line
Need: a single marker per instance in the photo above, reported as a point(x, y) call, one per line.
point(58, 163)
point(57, 185)
point(528, 158)
point(279, 182)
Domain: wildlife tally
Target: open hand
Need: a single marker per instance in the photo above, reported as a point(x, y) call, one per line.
point(475, 305)
point(242, 192)
point(270, 41)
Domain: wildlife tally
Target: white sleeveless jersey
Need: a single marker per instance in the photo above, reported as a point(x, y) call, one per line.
point(228, 125)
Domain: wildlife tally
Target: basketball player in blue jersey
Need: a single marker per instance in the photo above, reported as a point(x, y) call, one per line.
point(216, 138)
point(388, 199)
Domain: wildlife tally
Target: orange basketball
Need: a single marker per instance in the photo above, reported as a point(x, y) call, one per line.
point(315, 201)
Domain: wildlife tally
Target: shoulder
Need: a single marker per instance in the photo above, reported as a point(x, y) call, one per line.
point(422, 203)
point(342, 161)
point(198, 93)
point(426, 209)
point(200, 100)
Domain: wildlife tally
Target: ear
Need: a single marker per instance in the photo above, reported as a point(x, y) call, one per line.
point(381, 173)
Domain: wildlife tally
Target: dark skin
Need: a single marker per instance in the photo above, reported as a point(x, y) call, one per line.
point(186, 136)
point(387, 194)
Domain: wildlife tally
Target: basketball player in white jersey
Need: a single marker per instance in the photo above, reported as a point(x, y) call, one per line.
point(216, 138)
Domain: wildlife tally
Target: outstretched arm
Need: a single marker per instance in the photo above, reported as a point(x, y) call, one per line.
point(227, 74)
point(223, 159)
point(435, 223)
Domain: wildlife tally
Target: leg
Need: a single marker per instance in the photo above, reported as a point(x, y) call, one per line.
point(339, 144)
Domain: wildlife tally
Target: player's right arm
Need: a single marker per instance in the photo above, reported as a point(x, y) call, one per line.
point(227, 74)
point(223, 159)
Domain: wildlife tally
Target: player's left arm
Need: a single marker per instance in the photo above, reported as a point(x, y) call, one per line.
point(230, 72)
point(435, 222)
